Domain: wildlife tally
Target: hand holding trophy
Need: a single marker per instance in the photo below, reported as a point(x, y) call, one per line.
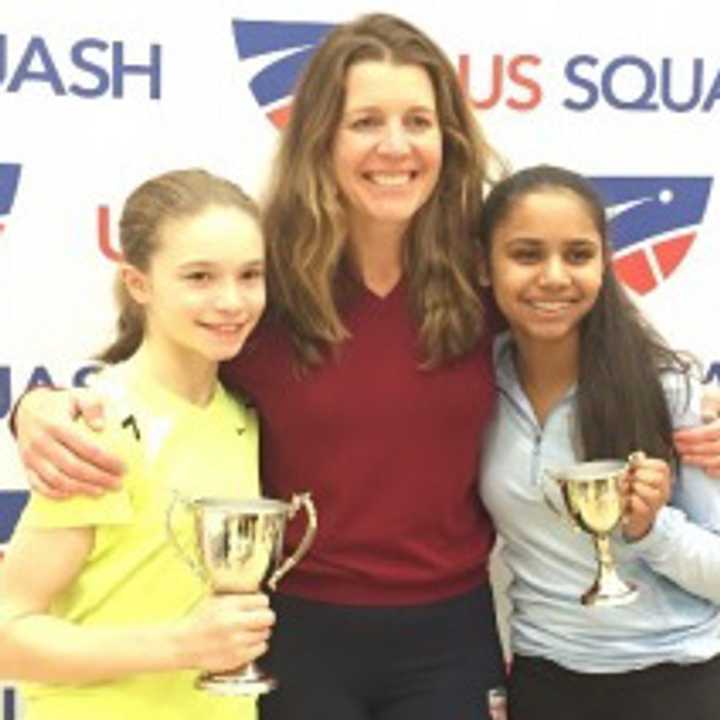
point(239, 550)
point(594, 502)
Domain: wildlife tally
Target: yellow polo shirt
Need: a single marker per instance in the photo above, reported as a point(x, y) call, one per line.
point(133, 574)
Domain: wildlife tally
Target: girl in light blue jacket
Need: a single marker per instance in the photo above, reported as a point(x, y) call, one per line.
point(582, 376)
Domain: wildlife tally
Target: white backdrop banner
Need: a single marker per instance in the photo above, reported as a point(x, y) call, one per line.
point(95, 97)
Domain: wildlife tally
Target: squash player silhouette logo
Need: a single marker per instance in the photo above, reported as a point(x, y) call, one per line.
point(654, 222)
point(9, 180)
point(278, 51)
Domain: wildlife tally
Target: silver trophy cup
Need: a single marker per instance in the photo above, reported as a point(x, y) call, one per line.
point(239, 550)
point(594, 503)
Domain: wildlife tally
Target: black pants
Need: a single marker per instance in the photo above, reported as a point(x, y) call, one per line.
point(429, 662)
point(542, 690)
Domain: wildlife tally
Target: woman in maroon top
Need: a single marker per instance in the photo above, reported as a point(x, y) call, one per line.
point(373, 381)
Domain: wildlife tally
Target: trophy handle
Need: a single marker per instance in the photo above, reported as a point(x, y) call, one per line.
point(191, 562)
point(635, 459)
point(298, 501)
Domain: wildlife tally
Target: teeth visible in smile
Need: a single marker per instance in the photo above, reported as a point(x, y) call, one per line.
point(226, 329)
point(390, 179)
point(548, 306)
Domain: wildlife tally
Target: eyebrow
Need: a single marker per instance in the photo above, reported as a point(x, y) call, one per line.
point(211, 263)
point(376, 108)
point(529, 240)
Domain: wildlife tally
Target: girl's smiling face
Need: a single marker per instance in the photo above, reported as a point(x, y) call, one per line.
point(546, 265)
point(204, 290)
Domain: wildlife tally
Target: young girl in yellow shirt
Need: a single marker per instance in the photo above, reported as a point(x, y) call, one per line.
point(99, 617)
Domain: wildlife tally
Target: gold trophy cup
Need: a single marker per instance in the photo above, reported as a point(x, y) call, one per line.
point(594, 503)
point(239, 550)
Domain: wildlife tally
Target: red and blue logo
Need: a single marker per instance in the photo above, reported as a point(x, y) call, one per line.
point(653, 224)
point(282, 49)
point(9, 180)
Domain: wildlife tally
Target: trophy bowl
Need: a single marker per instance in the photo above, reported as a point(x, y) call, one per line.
point(239, 546)
point(593, 501)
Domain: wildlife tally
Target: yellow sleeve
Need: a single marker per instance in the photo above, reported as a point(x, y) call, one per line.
point(114, 507)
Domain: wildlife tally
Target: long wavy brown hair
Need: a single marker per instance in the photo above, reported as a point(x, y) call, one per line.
point(305, 223)
point(173, 195)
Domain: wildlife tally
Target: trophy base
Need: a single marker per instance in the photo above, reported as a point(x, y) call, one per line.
point(610, 595)
point(248, 681)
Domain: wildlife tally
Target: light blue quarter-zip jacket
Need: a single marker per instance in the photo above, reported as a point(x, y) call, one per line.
point(676, 566)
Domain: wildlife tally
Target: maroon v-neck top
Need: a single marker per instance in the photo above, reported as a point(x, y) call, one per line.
point(388, 450)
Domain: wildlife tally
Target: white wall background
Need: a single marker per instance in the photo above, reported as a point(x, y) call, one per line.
point(79, 153)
